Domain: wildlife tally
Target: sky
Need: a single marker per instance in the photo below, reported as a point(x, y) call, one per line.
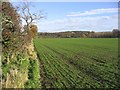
point(76, 16)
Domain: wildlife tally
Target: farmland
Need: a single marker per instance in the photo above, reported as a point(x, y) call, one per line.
point(78, 62)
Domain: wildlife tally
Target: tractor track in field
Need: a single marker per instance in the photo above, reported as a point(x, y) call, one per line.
point(77, 63)
point(90, 73)
point(42, 70)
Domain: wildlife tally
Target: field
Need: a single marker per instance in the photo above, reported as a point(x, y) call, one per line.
point(78, 62)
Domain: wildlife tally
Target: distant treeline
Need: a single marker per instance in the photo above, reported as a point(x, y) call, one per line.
point(81, 34)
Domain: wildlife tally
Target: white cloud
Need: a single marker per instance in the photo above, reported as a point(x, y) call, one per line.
point(100, 23)
point(96, 23)
point(94, 12)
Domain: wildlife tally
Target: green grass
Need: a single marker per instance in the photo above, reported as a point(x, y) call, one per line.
point(25, 66)
point(79, 62)
point(20, 63)
point(33, 75)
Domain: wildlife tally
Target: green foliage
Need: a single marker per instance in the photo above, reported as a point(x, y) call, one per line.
point(19, 63)
point(16, 65)
point(33, 75)
point(22, 62)
point(79, 62)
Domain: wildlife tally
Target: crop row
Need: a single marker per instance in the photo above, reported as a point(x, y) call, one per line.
point(72, 64)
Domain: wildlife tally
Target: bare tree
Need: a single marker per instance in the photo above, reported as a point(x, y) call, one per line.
point(28, 16)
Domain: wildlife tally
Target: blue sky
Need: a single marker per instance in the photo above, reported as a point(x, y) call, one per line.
point(71, 16)
point(58, 10)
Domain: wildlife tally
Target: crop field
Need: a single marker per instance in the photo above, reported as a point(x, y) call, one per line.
point(78, 62)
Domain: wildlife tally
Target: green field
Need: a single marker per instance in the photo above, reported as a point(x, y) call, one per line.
point(78, 62)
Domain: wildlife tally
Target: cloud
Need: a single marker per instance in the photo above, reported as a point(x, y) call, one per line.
point(76, 23)
point(99, 23)
point(94, 12)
